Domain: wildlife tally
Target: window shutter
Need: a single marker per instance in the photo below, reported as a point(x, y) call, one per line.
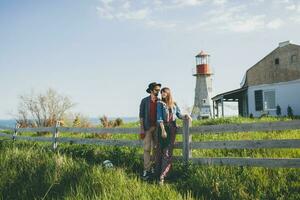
point(258, 100)
point(269, 99)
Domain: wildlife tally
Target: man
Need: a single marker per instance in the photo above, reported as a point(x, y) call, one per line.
point(148, 127)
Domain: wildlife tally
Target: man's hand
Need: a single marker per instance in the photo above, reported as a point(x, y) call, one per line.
point(142, 131)
point(142, 134)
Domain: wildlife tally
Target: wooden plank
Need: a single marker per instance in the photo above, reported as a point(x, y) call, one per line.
point(38, 129)
point(129, 143)
point(6, 128)
point(178, 145)
point(77, 130)
point(100, 130)
point(138, 143)
point(187, 138)
point(37, 139)
point(6, 135)
point(247, 144)
point(257, 162)
point(55, 136)
point(267, 126)
point(40, 139)
point(17, 137)
point(248, 127)
point(179, 130)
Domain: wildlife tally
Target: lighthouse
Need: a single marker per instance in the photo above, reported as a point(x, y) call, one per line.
point(203, 91)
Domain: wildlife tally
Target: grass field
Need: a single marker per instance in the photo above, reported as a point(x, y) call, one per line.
point(32, 171)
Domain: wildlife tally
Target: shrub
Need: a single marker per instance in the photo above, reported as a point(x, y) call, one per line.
point(278, 110)
point(290, 112)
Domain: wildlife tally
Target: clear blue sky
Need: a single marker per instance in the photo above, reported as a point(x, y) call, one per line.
point(103, 53)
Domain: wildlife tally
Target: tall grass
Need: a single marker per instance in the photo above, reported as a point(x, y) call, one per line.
point(32, 171)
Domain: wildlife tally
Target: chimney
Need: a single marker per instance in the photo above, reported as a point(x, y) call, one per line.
point(282, 44)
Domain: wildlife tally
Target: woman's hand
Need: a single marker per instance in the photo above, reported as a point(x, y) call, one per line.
point(163, 131)
point(163, 134)
point(188, 117)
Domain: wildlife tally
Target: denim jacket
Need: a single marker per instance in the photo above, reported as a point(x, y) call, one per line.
point(145, 112)
point(163, 112)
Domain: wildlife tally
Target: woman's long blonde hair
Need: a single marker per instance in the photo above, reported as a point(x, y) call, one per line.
point(169, 99)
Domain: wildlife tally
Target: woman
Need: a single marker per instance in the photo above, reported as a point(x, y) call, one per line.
point(167, 111)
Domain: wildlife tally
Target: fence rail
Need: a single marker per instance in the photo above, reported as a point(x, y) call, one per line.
point(247, 144)
point(186, 145)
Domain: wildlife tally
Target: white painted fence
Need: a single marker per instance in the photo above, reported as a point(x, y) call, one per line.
point(187, 145)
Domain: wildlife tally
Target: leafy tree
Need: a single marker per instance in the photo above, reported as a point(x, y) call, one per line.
point(81, 121)
point(76, 122)
point(118, 122)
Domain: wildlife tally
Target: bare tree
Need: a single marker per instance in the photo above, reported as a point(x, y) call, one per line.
point(42, 109)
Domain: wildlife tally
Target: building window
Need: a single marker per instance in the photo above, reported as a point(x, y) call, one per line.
point(269, 100)
point(258, 95)
point(293, 58)
point(277, 61)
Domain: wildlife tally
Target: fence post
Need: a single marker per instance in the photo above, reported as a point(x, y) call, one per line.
point(187, 139)
point(16, 131)
point(55, 135)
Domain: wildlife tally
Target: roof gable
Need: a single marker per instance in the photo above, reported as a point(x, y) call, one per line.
point(266, 71)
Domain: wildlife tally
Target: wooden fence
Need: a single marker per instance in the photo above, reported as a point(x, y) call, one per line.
point(186, 145)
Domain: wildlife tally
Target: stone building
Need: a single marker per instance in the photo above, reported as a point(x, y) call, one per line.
point(271, 83)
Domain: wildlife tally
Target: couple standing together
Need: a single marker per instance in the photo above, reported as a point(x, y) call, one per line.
point(158, 130)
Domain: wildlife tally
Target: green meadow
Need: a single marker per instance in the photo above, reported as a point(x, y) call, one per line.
point(31, 170)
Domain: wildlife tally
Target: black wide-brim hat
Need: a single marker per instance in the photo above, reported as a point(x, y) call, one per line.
point(151, 86)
